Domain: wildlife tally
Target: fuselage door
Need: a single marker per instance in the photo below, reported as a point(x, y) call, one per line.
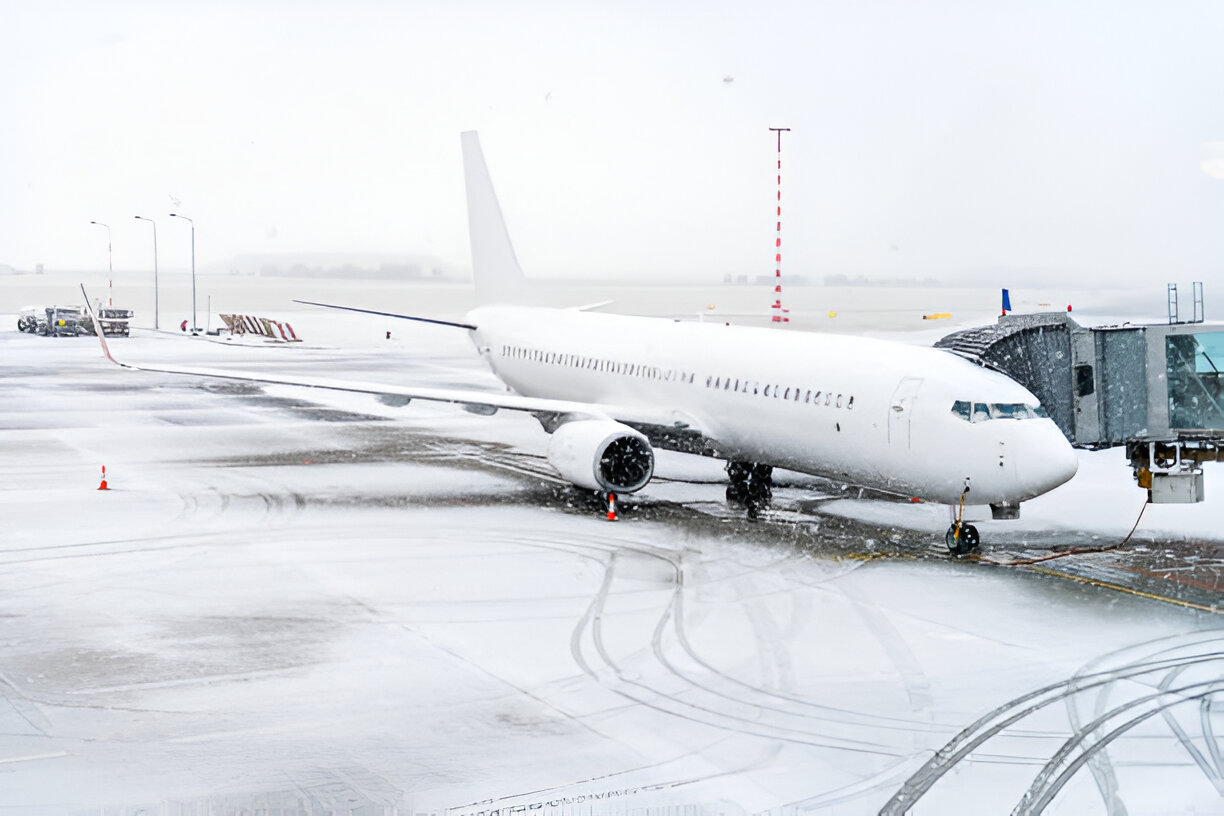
point(900, 410)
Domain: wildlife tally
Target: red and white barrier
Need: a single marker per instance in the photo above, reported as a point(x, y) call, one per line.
point(262, 326)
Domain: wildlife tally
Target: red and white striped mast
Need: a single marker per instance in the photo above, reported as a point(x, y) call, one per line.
point(110, 266)
point(780, 315)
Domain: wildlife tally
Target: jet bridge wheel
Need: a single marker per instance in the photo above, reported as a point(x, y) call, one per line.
point(964, 543)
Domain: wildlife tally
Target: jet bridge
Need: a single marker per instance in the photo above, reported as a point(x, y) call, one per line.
point(1156, 389)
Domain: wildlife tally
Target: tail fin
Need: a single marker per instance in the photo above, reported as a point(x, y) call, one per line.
point(495, 269)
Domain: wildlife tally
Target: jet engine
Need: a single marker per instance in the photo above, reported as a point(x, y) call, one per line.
point(601, 454)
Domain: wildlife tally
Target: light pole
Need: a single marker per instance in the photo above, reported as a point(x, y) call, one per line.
point(194, 328)
point(110, 267)
point(156, 307)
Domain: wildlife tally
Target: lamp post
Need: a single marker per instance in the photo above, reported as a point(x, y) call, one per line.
point(156, 306)
point(110, 267)
point(194, 328)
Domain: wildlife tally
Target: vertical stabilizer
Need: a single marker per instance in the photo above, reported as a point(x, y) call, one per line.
point(495, 269)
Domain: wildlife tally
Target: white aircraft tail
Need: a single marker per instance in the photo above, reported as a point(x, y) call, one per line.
point(495, 268)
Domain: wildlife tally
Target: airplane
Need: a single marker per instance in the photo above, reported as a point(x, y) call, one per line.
point(611, 389)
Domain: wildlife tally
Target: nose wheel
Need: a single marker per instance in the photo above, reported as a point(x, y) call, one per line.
point(961, 538)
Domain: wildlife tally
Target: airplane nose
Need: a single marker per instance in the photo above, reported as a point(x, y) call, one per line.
point(1051, 463)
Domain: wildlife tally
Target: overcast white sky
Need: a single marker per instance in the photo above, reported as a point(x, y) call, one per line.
point(1018, 140)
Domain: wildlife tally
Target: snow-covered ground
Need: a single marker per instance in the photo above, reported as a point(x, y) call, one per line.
point(290, 599)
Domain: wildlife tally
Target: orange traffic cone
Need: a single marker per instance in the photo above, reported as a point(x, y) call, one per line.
point(103, 485)
point(611, 507)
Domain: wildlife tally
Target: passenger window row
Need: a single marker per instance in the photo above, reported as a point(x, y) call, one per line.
point(596, 364)
point(794, 394)
point(983, 412)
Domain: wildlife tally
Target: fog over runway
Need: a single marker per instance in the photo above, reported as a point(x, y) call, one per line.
point(292, 599)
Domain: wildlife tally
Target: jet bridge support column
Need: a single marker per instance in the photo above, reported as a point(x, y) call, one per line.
point(1172, 472)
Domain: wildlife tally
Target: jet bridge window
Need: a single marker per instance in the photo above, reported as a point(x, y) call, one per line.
point(1196, 383)
point(1084, 382)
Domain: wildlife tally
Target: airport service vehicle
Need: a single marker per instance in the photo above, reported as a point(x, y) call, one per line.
point(610, 389)
point(113, 321)
point(63, 321)
point(29, 318)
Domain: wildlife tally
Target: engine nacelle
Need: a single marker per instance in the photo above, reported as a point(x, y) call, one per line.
point(601, 454)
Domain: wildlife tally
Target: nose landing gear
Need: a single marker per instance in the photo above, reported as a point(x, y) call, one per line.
point(961, 538)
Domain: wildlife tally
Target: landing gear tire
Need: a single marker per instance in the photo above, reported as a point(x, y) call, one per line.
point(737, 493)
point(751, 486)
point(965, 542)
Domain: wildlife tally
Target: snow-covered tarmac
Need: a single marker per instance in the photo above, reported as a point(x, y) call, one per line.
point(290, 599)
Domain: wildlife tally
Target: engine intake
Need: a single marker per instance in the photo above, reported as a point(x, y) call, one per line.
point(601, 454)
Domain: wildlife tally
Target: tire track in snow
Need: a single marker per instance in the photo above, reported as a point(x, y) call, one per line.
point(1199, 651)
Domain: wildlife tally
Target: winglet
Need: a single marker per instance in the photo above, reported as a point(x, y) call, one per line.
point(97, 324)
point(590, 307)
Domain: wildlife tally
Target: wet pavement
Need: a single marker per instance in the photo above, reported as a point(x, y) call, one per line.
point(287, 599)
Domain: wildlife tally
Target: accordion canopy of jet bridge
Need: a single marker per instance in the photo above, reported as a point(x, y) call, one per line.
point(1157, 388)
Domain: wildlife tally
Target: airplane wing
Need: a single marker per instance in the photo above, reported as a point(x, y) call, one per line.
point(479, 402)
point(388, 314)
point(590, 307)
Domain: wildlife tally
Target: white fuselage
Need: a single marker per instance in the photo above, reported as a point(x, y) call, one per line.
point(869, 412)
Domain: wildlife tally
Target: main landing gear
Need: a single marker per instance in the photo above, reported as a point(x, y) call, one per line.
point(751, 486)
point(961, 538)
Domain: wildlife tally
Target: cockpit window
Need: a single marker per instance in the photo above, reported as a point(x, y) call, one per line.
point(983, 412)
point(1013, 410)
